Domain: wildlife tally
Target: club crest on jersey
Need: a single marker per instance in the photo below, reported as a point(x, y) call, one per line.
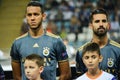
point(110, 62)
point(46, 51)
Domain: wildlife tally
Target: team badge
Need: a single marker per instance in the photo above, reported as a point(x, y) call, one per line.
point(110, 62)
point(46, 51)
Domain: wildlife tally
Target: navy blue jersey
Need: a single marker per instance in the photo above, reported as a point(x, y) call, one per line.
point(111, 58)
point(48, 46)
point(2, 76)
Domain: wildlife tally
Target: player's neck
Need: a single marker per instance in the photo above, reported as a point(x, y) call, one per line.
point(101, 41)
point(36, 33)
point(94, 73)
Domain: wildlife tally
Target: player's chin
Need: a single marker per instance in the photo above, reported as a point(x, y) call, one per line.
point(90, 68)
point(34, 27)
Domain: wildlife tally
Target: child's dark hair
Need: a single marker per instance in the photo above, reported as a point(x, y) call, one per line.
point(36, 4)
point(98, 11)
point(35, 57)
point(90, 47)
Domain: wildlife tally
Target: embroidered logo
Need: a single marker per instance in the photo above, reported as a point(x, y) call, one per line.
point(110, 62)
point(35, 45)
point(64, 54)
point(46, 51)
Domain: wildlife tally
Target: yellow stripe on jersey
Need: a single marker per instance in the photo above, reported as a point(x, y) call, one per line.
point(79, 49)
point(52, 35)
point(114, 43)
point(22, 36)
point(63, 60)
point(14, 60)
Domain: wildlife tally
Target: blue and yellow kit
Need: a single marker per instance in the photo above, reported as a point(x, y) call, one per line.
point(111, 58)
point(49, 46)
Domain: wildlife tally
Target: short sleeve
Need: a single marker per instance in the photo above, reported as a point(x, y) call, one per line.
point(14, 53)
point(60, 50)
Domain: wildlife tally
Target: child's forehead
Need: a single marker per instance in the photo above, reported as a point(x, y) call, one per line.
point(91, 53)
point(30, 61)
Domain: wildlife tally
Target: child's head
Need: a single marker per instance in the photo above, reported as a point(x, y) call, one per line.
point(33, 65)
point(91, 55)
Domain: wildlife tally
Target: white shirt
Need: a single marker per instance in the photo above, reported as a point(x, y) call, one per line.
point(103, 76)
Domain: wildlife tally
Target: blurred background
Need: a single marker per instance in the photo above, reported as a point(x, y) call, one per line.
point(66, 18)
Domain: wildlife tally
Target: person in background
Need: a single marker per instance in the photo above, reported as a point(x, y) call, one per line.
point(34, 66)
point(70, 50)
point(91, 57)
point(24, 27)
point(2, 75)
point(38, 40)
point(110, 50)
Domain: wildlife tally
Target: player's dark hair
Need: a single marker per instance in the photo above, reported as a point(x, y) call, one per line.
point(91, 47)
point(36, 4)
point(98, 11)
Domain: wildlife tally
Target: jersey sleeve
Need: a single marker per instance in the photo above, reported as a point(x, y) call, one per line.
point(14, 52)
point(60, 49)
point(80, 67)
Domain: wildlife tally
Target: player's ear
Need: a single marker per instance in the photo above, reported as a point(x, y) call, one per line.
point(44, 16)
point(101, 58)
point(90, 25)
point(41, 68)
point(109, 26)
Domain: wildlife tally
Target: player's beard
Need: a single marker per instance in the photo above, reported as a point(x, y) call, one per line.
point(100, 32)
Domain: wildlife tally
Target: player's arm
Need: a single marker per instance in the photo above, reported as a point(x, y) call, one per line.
point(62, 58)
point(16, 70)
point(65, 70)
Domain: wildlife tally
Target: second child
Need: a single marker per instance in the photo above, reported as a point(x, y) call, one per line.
point(91, 57)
